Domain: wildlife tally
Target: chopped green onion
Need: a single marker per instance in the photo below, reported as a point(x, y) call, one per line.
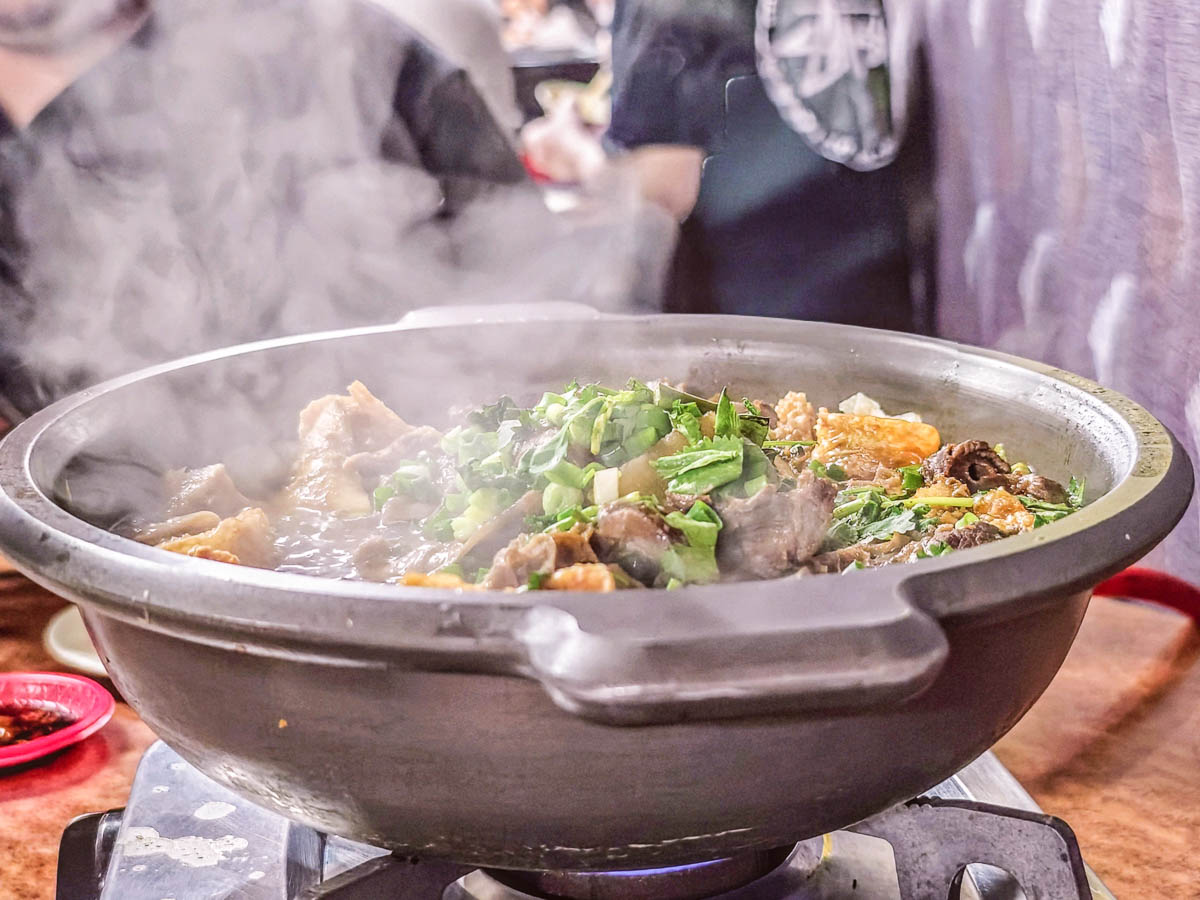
point(607, 485)
point(598, 426)
point(938, 548)
point(559, 497)
point(437, 526)
point(579, 425)
point(564, 521)
point(535, 580)
point(779, 445)
point(1001, 452)
point(968, 518)
point(832, 471)
point(846, 509)
point(462, 527)
point(674, 584)
point(570, 475)
point(855, 566)
point(1021, 469)
point(382, 495)
point(938, 501)
point(911, 478)
point(862, 489)
point(640, 441)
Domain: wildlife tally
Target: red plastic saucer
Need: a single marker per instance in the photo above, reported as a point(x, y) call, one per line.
point(83, 699)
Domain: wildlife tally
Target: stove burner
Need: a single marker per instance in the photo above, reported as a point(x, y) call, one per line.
point(182, 835)
point(688, 882)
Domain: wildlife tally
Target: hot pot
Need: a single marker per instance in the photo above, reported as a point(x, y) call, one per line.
point(576, 731)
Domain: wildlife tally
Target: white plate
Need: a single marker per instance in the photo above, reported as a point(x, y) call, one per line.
point(67, 641)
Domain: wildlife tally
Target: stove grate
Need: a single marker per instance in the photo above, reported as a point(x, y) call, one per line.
point(927, 845)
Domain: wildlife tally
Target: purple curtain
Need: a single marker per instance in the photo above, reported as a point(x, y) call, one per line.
point(1068, 152)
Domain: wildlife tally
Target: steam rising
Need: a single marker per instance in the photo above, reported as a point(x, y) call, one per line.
point(222, 178)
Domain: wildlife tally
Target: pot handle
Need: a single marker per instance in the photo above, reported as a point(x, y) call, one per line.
point(483, 313)
point(786, 646)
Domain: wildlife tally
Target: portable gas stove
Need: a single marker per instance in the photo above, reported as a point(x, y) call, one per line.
point(184, 837)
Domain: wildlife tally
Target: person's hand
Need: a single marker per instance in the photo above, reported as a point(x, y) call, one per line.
point(560, 147)
point(669, 175)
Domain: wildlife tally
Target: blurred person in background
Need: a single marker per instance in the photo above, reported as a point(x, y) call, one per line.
point(180, 176)
point(468, 32)
point(770, 227)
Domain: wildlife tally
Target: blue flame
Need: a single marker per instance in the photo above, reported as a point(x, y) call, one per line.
point(631, 873)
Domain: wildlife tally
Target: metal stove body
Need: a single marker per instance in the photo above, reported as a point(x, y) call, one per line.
point(183, 837)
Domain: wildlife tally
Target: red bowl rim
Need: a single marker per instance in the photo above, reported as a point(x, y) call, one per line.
point(91, 716)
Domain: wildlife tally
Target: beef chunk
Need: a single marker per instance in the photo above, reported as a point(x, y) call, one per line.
point(771, 533)
point(573, 548)
point(633, 537)
point(953, 537)
point(1037, 486)
point(974, 463)
point(540, 553)
point(209, 488)
point(981, 468)
point(838, 560)
point(373, 463)
point(525, 555)
point(972, 536)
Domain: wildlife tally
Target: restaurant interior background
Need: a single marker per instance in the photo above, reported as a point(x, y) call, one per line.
point(1020, 176)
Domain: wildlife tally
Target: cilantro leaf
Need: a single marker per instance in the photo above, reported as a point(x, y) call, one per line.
point(727, 421)
point(754, 471)
point(489, 417)
point(708, 465)
point(1044, 505)
point(912, 477)
point(690, 565)
point(901, 522)
point(700, 526)
point(548, 455)
point(937, 548)
point(667, 396)
point(753, 428)
point(841, 535)
point(686, 418)
point(1075, 490)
